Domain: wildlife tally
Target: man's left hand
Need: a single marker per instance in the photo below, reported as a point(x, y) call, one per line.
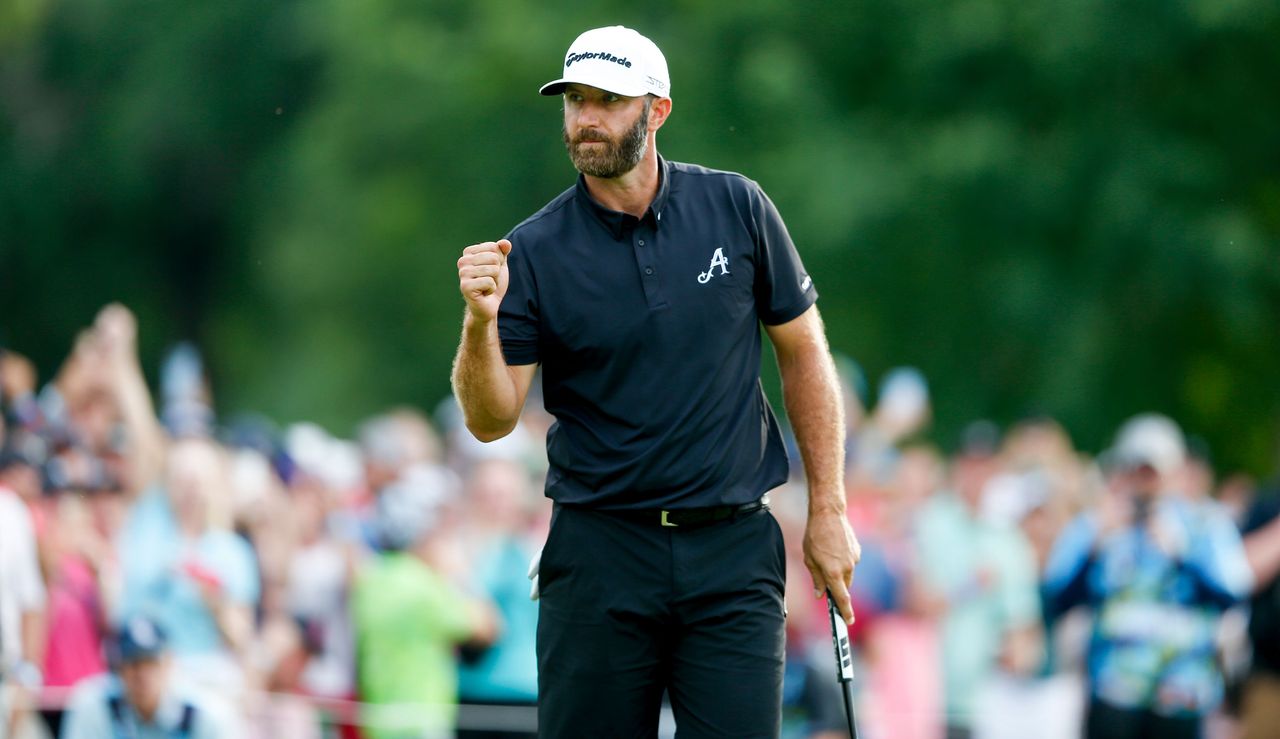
point(831, 551)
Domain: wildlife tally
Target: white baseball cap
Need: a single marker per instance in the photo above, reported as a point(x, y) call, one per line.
point(1150, 439)
point(617, 59)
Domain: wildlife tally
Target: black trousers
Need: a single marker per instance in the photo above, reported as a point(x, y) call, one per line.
point(630, 609)
point(1109, 722)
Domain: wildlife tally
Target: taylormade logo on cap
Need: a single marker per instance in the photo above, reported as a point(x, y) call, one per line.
point(594, 55)
point(616, 59)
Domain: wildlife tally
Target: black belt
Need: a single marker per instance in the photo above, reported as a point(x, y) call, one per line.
point(689, 518)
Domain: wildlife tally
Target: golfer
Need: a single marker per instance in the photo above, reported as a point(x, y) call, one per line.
point(641, 291)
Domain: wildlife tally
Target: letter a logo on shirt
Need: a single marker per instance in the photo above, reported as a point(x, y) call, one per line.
point(717, 260)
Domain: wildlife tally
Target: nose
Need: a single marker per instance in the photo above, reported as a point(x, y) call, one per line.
point(588, 114)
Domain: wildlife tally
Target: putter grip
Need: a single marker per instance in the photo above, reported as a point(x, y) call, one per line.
point(840, 639)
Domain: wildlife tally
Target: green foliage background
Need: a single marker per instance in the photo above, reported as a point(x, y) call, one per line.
point(1061, 207)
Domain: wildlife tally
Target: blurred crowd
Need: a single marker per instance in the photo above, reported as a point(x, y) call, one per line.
point(166, 572)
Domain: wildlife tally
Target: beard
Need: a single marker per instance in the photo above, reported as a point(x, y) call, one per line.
point(617, 156)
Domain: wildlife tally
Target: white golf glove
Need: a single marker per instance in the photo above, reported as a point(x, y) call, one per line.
point(534, 564)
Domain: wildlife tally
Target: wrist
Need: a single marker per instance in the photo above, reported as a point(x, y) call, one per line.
point(28, 675)
point(477, 323)
point(828, 502)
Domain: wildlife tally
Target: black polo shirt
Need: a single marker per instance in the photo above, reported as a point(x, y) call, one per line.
point(648, 332)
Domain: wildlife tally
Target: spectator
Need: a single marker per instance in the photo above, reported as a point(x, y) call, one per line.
point(902, 679)
point(409, 618)
point(979, 576)
point(142, 699)
point(395, 441)
point(1158, 572)
point(497, 534)
point(80, 561)
point(319, 572)
point(183, 567)
point(22, 606)
point(181, 564)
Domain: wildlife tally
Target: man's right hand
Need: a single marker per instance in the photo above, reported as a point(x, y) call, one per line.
point(483, 277)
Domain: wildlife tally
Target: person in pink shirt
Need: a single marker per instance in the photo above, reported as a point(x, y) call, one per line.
point(81, 567)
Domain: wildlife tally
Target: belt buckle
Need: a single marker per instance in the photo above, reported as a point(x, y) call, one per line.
point(665, 522)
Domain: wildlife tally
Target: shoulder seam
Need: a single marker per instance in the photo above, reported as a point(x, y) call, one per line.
point(700, 171)
point(565, 198)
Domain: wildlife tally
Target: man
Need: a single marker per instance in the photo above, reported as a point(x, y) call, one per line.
point(1158, 572)
point(640, 291)
point(142, 700)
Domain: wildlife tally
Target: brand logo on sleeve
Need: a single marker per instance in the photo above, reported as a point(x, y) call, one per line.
point(717, 260)
point(805, 283)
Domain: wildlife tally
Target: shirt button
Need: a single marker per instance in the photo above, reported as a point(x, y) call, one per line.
point(648, 270)
point(641, 242)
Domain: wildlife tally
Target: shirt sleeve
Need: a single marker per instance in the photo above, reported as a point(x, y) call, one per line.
point(1066, 573)
point(518, 314)
point(449, 610)
point(783, 289)
point(1216, 557)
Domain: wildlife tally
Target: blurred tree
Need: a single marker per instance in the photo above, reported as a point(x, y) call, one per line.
point(1070, 209)
point(128, 129)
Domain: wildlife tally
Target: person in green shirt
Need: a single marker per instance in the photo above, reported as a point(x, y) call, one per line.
point(410, 618)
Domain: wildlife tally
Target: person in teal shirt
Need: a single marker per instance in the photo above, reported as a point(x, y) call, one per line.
point(501, 538)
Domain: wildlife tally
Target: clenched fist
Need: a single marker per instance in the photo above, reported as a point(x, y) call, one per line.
point(483, 277)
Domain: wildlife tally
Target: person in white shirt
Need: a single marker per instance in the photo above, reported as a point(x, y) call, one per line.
point(22, 603)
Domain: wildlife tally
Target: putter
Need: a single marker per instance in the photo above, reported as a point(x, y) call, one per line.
point(844, 661)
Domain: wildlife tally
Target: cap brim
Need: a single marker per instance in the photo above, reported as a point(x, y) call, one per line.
point(556, 87)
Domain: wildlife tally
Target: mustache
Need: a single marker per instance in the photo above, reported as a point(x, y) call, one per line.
point(589, 136)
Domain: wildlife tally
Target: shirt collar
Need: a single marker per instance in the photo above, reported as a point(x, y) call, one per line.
point(619, 223)
point(168, 716)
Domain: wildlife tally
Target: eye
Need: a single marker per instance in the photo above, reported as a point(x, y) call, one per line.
point(609, 97)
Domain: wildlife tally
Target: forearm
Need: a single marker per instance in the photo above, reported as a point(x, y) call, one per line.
point(235, 624)
point(109, 586)
point(812, 396)
point(34, 637)
point(1065, 582)
point(811, 393)
point(482, 383)
point(146, 437)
